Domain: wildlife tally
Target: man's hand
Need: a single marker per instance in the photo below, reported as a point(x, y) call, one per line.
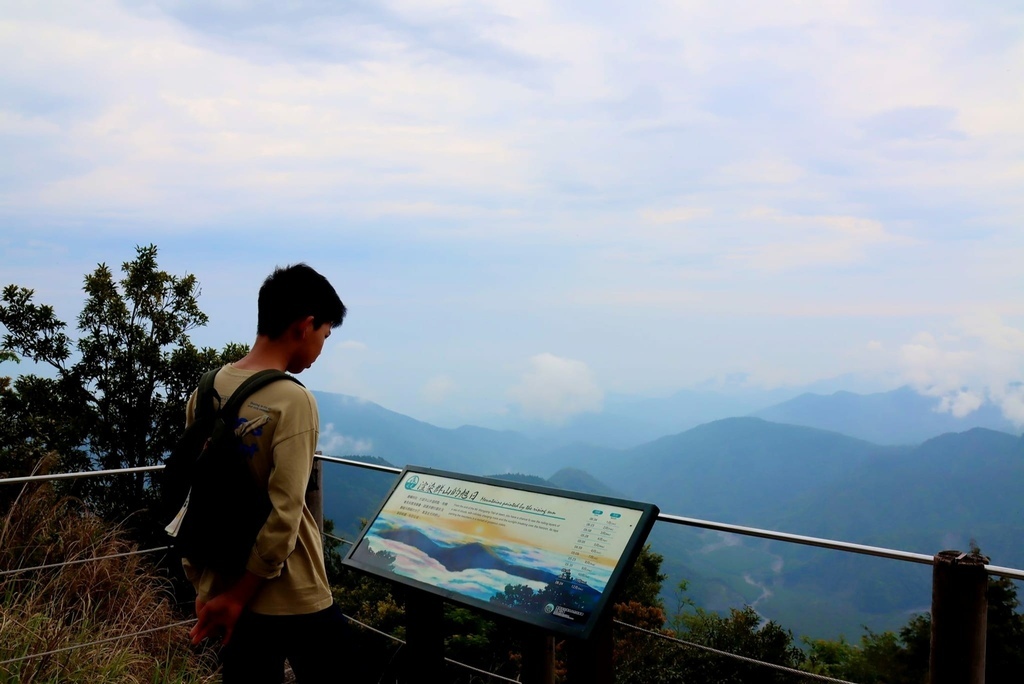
point(219, 615)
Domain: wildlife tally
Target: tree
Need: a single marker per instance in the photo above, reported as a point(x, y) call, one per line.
point(643, 582)
point(880, 657)
point(742, 633)
point(902, 658)
point(1004, 657)
point(117, 398)
point(22, 447)
point(640, 656)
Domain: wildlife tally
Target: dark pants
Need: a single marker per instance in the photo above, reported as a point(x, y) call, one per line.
point(321, 647)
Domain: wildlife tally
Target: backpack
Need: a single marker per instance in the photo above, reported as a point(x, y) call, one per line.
point(207, 482)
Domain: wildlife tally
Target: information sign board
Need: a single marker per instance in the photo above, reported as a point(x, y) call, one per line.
point(545, 556)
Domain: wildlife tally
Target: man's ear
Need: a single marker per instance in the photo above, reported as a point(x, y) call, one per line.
point(302, 327)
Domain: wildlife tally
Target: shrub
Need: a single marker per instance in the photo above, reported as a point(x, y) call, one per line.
point(51, 609)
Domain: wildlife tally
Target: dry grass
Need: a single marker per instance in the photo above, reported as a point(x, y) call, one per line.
point(46, 610)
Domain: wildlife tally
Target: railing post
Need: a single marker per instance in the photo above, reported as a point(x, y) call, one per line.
point(959, 618)
point(315, 493)
point(538, 657)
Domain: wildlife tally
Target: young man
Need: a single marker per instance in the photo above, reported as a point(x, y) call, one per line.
point(281, 607)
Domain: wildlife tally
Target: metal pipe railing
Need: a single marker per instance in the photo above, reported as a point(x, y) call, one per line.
point(848, 547)
point(799, 539)
point(359, 464)
point(81, 474)
point(786, 537)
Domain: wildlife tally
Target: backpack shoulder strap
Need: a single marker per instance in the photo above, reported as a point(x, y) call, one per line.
point(206, 395)
point(250, 385)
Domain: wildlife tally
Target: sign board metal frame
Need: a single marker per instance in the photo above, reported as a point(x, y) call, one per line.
point(548, 557)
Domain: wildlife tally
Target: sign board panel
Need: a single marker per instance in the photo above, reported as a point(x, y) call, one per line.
point(545, 556)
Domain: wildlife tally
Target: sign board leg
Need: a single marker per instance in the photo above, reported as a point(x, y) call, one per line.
point(590, 661)
point(538, 657)
point(424, 645)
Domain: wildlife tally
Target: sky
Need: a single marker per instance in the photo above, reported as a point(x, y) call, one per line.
point(531, 207)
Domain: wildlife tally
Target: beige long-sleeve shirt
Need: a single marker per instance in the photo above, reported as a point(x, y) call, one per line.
point(279, 425)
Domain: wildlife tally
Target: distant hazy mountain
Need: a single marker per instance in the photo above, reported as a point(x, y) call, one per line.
point(629, 421)
point(938, 494)
point(901, 416)
point(944, 494)
point(352, 494)
point(522, 479)
point(581, 481)
point(349, 425)
point(809, 481)
point(941, 494)
point(733, 470)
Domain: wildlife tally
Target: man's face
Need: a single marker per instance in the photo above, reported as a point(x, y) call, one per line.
point(311, 346)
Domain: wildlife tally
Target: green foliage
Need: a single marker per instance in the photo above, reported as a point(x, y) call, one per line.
point(1004, 654)
point(741, 633)
point(642, 656)
point(643, 583)
point(332, 553)
point(879, 657)
point(639, 654)
point(118, 396)
point(902, 658)
point(479, 640)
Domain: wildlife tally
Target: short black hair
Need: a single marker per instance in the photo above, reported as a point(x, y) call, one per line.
point(290, 294)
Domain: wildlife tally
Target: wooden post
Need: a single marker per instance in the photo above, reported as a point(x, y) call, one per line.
point(538, 657)
point(959, 618)
point(590, 661)
point(424, 638)
point(315, 493)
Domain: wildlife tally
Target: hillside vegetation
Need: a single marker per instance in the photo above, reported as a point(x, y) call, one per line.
point(54, 609)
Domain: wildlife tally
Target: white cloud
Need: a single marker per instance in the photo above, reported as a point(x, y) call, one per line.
point(555, 388)
point(982, 359)
point(961, 403)
point(1012, 402)
point(180, 113)
point(548, 154)
point(508, 100)
point(333, 443)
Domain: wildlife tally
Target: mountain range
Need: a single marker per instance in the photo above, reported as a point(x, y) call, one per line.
point(901, 416)
point(945, 491)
